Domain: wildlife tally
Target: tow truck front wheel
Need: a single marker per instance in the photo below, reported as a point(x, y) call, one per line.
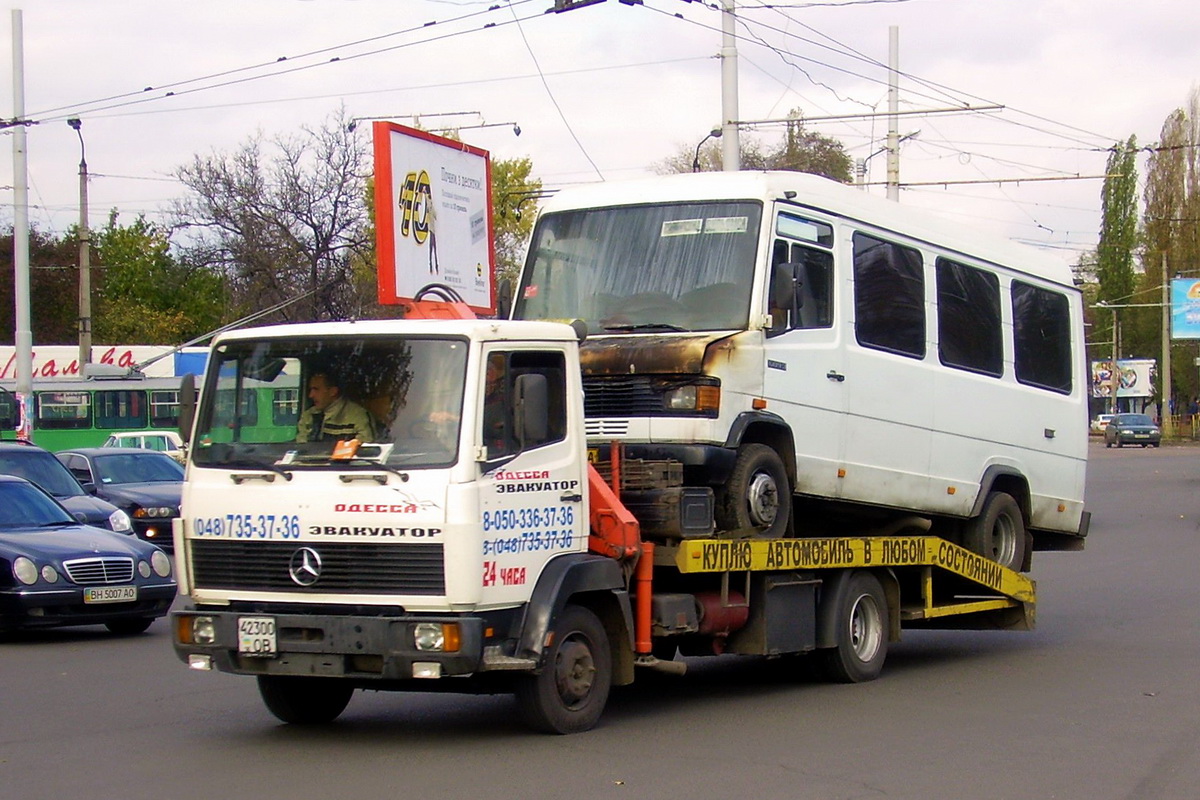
point(570, 692)
point(304, 701)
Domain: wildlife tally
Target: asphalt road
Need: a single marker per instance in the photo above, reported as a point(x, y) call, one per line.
point(1101, 701)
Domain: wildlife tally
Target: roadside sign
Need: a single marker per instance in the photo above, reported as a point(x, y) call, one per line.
point(433, 217)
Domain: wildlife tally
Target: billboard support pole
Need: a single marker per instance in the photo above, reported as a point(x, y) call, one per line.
point(1168, 424)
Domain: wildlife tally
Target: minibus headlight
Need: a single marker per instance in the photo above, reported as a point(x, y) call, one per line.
point(696, 398)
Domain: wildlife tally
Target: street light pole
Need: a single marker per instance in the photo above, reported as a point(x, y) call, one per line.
point(85, 267)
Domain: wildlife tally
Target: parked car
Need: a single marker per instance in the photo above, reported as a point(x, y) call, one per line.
point(39, 466)
point(56, 571)
point(168, 442)
point(144, 484)
point(1101, 422)
point(1126, 429)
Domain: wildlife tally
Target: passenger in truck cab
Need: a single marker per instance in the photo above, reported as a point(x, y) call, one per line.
point(332, 417)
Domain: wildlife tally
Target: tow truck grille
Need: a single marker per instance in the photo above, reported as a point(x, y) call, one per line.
point(343, 568)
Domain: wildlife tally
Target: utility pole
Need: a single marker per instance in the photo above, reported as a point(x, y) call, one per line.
point(731, 148)
point(1114, 373)
point(85, 266)
point(893, 136)
point(23, 333)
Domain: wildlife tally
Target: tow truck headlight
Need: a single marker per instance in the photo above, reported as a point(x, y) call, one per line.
point(197, 630)
point(436, 637)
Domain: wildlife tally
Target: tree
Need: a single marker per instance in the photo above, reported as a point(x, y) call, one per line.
point(147, 296)
point(1172, 231)
point(514, 208)
point(284, 225)
point(53, 288)
point(801, 150)
point(1114, 261)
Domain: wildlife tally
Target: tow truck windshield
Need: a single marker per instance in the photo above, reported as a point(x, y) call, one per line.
point(344, 402)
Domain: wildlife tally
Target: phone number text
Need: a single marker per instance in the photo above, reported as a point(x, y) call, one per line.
point(514, 519)
point(530, 542)
point(249, 526)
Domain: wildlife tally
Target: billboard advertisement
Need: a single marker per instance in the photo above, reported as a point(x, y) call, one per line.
point(1185, 308)
point(433, 204)
point(1135, 377)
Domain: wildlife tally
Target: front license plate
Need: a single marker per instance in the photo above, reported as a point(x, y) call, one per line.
point(109, 594)
point(256, 637)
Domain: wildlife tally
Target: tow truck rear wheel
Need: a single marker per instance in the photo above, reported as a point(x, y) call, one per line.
point(998, 532)
point(861, 619)
point(303, 700)
point(569, 694)
point(757, 495)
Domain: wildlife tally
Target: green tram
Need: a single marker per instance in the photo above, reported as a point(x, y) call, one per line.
point(84, 413)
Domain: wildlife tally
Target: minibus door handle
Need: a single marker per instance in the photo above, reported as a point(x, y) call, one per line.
point(834, 375)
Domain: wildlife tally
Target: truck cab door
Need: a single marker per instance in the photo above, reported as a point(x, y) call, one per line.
point(532, 482)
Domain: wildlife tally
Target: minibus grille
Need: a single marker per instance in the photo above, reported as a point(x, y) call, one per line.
point(341, 568)
point(621, 396)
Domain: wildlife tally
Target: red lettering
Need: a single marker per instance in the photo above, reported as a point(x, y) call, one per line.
point(109, 356)
point(489, 573)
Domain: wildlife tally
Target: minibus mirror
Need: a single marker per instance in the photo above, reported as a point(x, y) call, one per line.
point(187, 406)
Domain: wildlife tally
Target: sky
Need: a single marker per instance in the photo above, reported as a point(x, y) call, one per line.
point(607, 91)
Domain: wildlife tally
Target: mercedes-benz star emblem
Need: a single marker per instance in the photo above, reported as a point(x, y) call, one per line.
point(305, 566)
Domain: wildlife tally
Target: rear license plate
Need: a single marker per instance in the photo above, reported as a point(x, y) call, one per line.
point(109, 594)
point(256, 637)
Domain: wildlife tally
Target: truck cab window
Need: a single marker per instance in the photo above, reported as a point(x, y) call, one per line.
point(502, 406)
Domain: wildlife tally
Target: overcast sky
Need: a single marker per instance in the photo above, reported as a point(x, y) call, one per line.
point(607, 91)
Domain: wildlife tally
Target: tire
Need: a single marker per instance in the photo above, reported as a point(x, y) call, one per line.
point(569, 694)
point(129, 627)
point(304, 700)
point(1108, 444)
point(757, 495)
point(861, 617)
point(998, 533)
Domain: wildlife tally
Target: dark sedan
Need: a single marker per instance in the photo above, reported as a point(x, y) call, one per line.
point(39, 466)
point(55, 571)
point(1126, 429)
point(145, 484)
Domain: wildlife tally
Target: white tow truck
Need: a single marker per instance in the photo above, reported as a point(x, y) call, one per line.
point(473, 543)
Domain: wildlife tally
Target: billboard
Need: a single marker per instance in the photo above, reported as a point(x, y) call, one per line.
point(433, 216)
point(1185, 308)
point(1136, 377)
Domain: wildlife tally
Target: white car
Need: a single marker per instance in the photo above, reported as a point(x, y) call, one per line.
point(1101, 422)
point(168, 442)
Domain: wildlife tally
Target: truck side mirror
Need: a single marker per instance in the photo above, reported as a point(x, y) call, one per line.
point(504, 298)
point(785, 278)
point(187, 406)
point(532, 409)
